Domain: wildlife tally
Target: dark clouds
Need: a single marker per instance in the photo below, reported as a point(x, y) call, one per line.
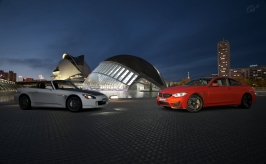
point(175, 36)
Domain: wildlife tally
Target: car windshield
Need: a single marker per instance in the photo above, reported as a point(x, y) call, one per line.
point(199, 82)
point(64, 85)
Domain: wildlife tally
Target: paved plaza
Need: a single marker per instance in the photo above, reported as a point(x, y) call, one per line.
point(133, 131)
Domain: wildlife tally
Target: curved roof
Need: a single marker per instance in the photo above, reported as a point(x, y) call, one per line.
point(139, 65)
point(70, 66)
point(75, 60)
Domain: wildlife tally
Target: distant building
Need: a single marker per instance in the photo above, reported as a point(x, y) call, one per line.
point(223, 54)
point(210, 75)
point(10, 76)
point(253, 72)
point(123, 72)
point(71, 68)
point(28, 79)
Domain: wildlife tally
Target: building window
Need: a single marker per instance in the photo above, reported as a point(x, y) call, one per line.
point(116, 76)
point(135, 76)
point(128, 77)
point(123, 75)
point(114, 72)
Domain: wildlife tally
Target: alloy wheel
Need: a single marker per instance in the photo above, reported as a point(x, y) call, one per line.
point(74, 104)
point(194, 103)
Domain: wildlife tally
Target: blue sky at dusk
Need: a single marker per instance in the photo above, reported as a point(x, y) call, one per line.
point(176, 37)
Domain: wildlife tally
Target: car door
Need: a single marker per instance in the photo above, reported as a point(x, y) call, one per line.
point(219, 94)
point(236, 89)
point(45, 97)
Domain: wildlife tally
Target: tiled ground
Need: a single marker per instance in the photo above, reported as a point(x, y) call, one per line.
point(133, 131)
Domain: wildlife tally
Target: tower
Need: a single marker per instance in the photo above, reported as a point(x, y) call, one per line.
point(223, 55)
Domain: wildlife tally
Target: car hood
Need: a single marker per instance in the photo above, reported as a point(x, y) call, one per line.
point(184, 88)
point(94, 93)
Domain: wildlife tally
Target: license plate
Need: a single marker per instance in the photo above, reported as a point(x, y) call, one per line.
point(162, 99)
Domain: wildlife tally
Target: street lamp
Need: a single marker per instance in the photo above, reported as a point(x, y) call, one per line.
point(40, 77)
point(20, 77)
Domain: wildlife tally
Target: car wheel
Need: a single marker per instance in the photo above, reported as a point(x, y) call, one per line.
point(24, 102)
point(195, 103)
point(74, 104)
point(246, 101)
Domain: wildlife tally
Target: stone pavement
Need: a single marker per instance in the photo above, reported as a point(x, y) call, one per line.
point(133, 131)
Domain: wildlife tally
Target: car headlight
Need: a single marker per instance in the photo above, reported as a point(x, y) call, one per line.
point(87, 96)
point(181, 94)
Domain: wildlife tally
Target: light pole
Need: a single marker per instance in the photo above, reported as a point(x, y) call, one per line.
point(40, 77)
point(20, 77)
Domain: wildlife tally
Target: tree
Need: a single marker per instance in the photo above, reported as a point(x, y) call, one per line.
point(185, 80)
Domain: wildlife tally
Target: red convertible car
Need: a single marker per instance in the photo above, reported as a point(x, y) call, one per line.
point(205, 92)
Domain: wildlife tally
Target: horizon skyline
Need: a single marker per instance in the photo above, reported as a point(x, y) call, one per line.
point(175, 37)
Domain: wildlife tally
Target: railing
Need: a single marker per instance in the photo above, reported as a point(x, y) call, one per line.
point(260, 88)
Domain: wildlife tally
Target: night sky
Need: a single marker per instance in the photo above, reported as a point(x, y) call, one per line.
point(176, 37)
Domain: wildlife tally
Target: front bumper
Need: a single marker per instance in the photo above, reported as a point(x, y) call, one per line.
point(172, 102)
point(99, 102)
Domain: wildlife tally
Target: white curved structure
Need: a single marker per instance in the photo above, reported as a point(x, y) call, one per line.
point(71, 68)
point(123, 72)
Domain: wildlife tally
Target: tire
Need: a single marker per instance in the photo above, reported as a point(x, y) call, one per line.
point(24, 102)
point(74, 104)
point(246, 101)
point(194, 104)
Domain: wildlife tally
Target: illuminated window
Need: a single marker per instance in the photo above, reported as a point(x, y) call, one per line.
point(131, 81)
point(114, 72)
point(115, 66)
point(110, 69)
point(106, 69)
point(128, 77)
point(116, 76)
point(103, 67)
point(123, 75)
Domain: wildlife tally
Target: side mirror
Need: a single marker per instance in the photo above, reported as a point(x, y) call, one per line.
point(215, 85)
point(49, 87)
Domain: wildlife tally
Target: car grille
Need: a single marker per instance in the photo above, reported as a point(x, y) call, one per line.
point(165, 95)
point(164, 103)
point(103, 101)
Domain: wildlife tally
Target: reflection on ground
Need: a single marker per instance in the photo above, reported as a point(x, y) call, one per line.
point(7, 96)
point(130, 94)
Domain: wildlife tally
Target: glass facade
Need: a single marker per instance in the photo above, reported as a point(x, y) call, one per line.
point(110, 76)
point(6, 85)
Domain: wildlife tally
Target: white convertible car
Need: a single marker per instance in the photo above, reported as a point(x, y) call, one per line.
point(59, 94)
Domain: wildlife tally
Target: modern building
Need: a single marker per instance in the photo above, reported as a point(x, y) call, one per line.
point(6, 85)
point(223, 53)
point(71, 68)
point(123, 72)
point(10, 76)
point(28, 79)
point(252, 72)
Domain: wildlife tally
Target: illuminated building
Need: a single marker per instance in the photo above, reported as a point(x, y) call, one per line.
point(10, 76)
point(123, 72)
point(253, 72)
point(223, 53)
point(71, 68)
point(6, 85)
